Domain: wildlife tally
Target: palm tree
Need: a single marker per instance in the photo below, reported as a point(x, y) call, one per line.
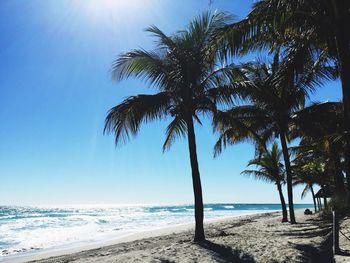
point(304, 29)
point(271, 170)
point(273, 94)
point(270, 105)
point(320, 128)
point(309, 173)
point(186, 70)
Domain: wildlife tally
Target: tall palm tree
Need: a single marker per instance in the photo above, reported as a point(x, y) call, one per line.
point(270, 170)
point(273, 94)
point(313, 28)
point(186, 70)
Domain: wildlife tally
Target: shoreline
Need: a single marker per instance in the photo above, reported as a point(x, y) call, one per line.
point(166, 230)
point(246, 236)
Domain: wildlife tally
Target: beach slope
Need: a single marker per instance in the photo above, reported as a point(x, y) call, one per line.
point(254, 238)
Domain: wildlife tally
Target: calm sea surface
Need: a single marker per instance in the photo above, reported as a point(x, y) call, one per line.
point(26, 230)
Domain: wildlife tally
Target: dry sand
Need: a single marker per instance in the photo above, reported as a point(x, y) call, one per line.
point(254, 238)
point(344, 241)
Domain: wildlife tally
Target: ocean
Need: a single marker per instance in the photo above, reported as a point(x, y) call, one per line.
point(27, 230)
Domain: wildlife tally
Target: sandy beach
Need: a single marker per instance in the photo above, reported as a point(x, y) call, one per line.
point(174, 131)
point(254, 238)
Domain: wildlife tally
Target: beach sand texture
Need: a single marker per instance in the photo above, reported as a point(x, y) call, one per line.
point(344, 242)
point(254, 238)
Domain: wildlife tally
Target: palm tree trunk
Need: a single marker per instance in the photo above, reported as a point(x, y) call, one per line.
point(345, 80)
point(289, 177)
point(283, 203)
point(342, 42)
point(313, 197)
point(197, 187)
point(319, 204)
point(323, 187)
point(338, 176)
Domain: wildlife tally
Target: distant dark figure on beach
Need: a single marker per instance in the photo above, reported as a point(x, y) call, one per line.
point(307, 212)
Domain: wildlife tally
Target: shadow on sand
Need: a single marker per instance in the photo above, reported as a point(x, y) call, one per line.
point(225, 254)
point(310, 232)
point(321, 254)
point(344, 252)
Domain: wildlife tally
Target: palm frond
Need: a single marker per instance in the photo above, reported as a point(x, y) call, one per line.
point(306, 189)
point(146, 65)
point(177, 128)
point(258, 175)
point(163, 40)
point(124, 119)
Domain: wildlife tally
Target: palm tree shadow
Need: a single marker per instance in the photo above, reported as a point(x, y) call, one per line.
point(344, 252)
point(322, 254)
point(310, 232)
point(223, 254)
point(166, 261)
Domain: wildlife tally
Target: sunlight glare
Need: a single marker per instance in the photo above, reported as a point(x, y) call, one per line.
point(103, 7)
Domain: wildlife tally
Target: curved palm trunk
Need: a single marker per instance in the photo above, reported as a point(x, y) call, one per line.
point(313, 197)
point(342, 42)
point(197, 187)
point(289, 177)
point(283, 203)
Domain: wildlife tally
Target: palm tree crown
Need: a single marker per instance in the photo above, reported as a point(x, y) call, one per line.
point(270, 167)
point(186, 70)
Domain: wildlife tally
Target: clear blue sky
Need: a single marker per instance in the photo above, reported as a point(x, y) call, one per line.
point(55, 90)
